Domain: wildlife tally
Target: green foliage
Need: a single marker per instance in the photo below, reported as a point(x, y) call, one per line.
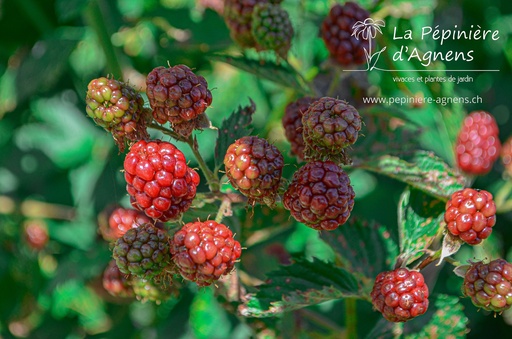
point(268, 69)
point(59, 170)
point(303, 283)
point(363, 247)
point(419, 219)
point(448, 319)
point(422, 170)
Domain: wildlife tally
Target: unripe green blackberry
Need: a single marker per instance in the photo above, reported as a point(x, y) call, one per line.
point(272, 28)
point(118, 108)
point(329, 126)
point(142, 251)
point(149, 290)
point(489, 285)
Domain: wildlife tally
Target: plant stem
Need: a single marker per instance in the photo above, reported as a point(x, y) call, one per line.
point(351, 318)
point(95, 19)
point(338, 77)
point(501, 197)
point(225, 206)
point(211, 178)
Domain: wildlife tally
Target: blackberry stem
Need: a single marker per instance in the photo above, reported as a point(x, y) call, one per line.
point(95, 18)
point(351, 318)
point(225, 206)
point(211, 179)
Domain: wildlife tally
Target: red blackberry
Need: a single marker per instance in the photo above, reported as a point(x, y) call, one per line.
point(320, 195)
point(292, 123)
point(204, 251)
point(254, 167)
point(478, 145)
point(36, 234)
point(238, 17)
point(329, 126)
point(121, 220)
point(489, 285)
point(337, 34)
point(470, 215)
point(159, 181)
point(506, 156)
point(272, 28)
point(142, 251)
point(400, 295)
point(115, 282)
point(178, 96)
point(118, 108)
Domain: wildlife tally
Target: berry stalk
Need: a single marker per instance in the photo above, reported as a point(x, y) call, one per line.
point(95, 19)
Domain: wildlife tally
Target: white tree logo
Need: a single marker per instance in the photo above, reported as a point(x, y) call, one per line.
point(367, 30)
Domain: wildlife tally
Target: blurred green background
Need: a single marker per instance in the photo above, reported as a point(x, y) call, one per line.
point(58, 171)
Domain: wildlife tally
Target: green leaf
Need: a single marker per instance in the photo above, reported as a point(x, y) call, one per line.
point(363, 247)
point(423, 170)
point(378, 137)
point(448, 320)
point(72, 297)
point(69, 9)
point(279, 73)
point(419, 219)
point(42, 68)
point(64, 133)
point(233, 128)
point(299, 285)
point(207, 318)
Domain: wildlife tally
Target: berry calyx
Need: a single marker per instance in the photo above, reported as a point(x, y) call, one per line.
point(204, 251)
point(478, 145)
point(272, 28)
point(254, 167)
point(159, 181)
point(400, 295)
point(142, 251)
point(489, 285)
point(292, 123)
point(320, 195)
point(329, 126)
point(118, 108)
point(470, 215)
point(337, 29)
point(178, 96)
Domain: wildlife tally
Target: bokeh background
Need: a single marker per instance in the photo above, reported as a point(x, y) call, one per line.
point(58, 171)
